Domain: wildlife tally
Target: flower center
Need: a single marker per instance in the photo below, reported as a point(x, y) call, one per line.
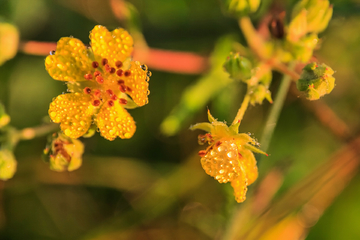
point(106, 83)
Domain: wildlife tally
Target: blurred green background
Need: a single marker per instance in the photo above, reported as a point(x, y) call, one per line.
point(152, 186)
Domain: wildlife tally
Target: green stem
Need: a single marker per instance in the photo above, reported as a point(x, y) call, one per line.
point(12, 136)
point(242, 109)
point(275, 111)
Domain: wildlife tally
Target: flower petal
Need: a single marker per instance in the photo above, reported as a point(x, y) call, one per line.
point(138, 81)
point(249, 163)
point(240, 186)
point(74, 112)
point(114, 46)
point(70, 61)
point(115, 121)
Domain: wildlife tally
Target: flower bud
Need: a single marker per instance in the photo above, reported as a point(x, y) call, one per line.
point(238, 67)
point(317, 14)
point(64, 153)
point(229, 157)
point(7, 164)
point(9, 40)
point(316, 80)
point(242, 7)
point(4, 118)
point(258, 93)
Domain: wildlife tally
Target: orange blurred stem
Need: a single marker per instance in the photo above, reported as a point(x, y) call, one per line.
point(254, 40)
point(157, 59)
point(257, 44)
point(38, 131)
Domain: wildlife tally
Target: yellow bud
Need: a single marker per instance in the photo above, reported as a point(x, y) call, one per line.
point(4, 118)
point(7, 164)
point(9, 41)
point(64, 153)
point(242, 7)
point(317, 14)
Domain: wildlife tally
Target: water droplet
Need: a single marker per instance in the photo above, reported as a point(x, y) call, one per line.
point(149, 74)
point(143, 67)
point(52, 52)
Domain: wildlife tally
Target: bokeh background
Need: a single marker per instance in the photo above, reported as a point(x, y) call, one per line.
point(152, 186)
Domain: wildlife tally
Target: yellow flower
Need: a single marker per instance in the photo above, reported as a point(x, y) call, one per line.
point(102, 80)
point(229, 157)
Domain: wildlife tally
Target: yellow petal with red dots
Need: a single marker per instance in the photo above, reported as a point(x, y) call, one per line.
point(73, 111)
point(138, 81)
point(221, 161)
point(70, 61)
point(249, 163)
point(240, 187)
point(114, 46)
point(115, 121)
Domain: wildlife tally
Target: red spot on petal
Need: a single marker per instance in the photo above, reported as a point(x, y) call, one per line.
point(120, 72)
point(87, 90)
point(128, 89)
point(114, 97)
point(122, 88)
point(110, 103)
point(202, 153)
point(96, 102)
point(218, 143)
point(104, 61)
point(88, 76)
point(112, 70)
point(100, 79)
point(95, 64)
point(107, 67)
point(97, 93)
point(118, 64)
point(127, 73)
point(240, 156)
point(97, 73)
point(122, 101)
point(110, 92)
point(120, 82)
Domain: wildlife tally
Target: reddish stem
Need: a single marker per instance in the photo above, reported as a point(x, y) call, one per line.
point(157, 59)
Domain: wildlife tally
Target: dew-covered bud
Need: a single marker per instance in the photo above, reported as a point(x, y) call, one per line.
point(9, 41)
point(7, 164)
point(63, 153)
point(4, 118)
point(258, 93)
point(260, 90)
point(316, 80)
point(317, 14)
point(229, 156)
point(242, 7)
point(238, 67)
